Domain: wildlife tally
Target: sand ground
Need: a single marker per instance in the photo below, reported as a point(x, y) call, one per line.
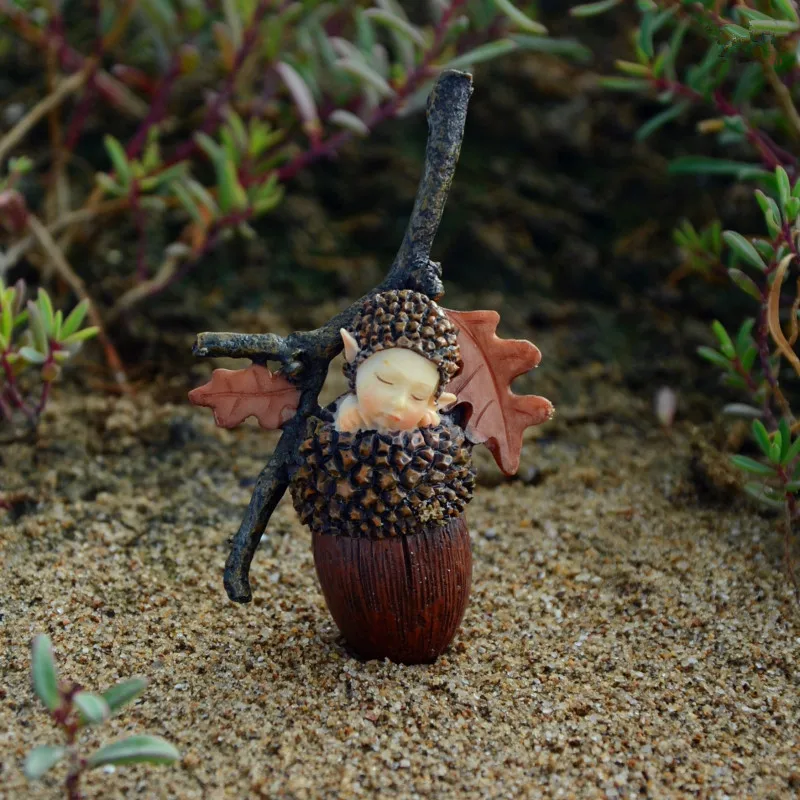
point(630, 633)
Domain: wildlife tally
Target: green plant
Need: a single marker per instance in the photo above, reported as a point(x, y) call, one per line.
point(35, 340)
point(73, 709)
point(214, 107)
point(747, 78)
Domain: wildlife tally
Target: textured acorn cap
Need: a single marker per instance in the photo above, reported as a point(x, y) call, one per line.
point(404, 318)
point(371, 484)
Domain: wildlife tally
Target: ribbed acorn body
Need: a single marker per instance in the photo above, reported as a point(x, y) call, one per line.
point(391, 545)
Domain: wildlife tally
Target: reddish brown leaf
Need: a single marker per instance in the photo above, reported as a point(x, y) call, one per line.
point(235, 394)
point(497, 417)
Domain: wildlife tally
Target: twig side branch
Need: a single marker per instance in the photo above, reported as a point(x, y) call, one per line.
point(305, 355)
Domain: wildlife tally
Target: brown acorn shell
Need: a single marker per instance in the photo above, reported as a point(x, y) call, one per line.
point(378, 485)
point(401, 598)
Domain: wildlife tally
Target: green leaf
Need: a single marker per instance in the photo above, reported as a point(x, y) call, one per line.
point(81, 336)
point(703, 165)
point(784, 186)
point(743, 337)
point(93, 708)
point(745, 283)
point(748, 358)
point(793, 451)
point(231, 194)
point(667, 115)
point(485, 52)
point(37, 327)
point(188, 202)
point(75, 319)
point(109, 185)
point(715, 357)
point(742, 410)
point(165, 177)
point(518, 18)
point(349, 121)
point(209, 146)
point(122, 694)
point(623, 84)
point(786, 438)
point(365, 34)
point(775, 448)
point(772, 214)
point(591, 9)
point(777, 27)
point(203, 196)
point(46, 309)
point(736, 33)
point(749, 85)
point(787, 8)
point(633, 68)
point(761, 436)
point(267, 195)
point(301, 94)
point(120, 161)
point(41, 759)
point(725, 343)
point(744, 249)
point(764, 495)
point(134, 750)
point(32, 356)
point(6, 316)
point(397, 24)
point(45, 677)
point(646, 34)
point(752, 466)
point(366, 75)
point(568, 48)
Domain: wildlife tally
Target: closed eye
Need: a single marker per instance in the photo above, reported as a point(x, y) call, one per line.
point(420, 399)
point(383, 380)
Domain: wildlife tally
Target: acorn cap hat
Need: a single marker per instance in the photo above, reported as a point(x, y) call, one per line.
point(409, 319)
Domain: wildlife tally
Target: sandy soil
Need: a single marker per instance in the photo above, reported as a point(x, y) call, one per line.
point(630, 633)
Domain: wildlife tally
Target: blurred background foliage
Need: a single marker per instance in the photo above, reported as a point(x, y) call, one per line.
point(251, 164)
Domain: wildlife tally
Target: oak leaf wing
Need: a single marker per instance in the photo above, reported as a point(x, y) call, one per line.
point(497, 416)
point(235, 394)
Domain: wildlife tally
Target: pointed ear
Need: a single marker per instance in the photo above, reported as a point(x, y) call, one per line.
point(350, 345)
point(446, 399)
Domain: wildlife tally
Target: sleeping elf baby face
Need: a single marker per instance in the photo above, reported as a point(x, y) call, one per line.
point(395, 390)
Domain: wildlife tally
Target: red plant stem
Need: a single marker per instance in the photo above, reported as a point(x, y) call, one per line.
point(81, 113)
point(214, 114)
point(791, 515)
point(139, 223)
point(771, 154)
point(762, 344)
point(45, 395)
point(158, 109)
point(13, 391)
point(5, 412)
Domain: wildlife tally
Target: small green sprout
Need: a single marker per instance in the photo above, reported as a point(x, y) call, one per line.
point(73, 710)
point(34, 337)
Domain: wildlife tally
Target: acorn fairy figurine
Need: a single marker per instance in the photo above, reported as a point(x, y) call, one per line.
point(383, 482)
point(383, 475)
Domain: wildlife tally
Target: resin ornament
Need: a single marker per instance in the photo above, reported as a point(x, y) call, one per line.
point(383, 476)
